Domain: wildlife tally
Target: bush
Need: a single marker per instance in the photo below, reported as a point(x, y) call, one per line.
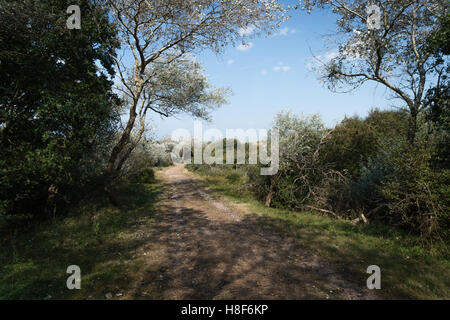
point(418, 193)
point(144, 176)
point(350, 143)
point(354, 141)
point(366, 190)
point(414, 192)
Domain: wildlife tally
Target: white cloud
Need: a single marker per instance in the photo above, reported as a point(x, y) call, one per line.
point(286, 31)
point(231, 61)
point(246, 31)
point(317, 61)
point(281, 67)
point(245, 46)
point(330, 55)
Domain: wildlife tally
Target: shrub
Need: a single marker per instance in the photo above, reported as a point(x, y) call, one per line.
point(143, 176)
point(418, 193)
point(350, 143)
point(366, 189)
point(354, 141)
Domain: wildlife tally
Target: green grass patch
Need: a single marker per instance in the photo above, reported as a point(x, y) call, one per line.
point(104, 241)
point(410, 269)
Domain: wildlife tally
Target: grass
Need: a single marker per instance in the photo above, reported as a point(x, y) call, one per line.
point(104, 241)
point(409, 269)
point(107, 243)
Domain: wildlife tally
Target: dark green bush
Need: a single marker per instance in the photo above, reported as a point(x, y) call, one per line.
point(354, 141)
point(351, 143)
point(366, 189)
point(144, 176)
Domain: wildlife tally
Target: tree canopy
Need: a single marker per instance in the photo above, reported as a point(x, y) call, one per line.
point(158, 33)
point(395, 55)
point(55, 96)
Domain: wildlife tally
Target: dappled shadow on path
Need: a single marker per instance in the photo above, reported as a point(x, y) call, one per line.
point(202, 249)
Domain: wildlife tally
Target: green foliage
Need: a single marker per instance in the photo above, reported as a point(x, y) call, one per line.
point(56, 101)
point(351, 142)
point(144, 176)
point(439, 41)
point(361, 166)
point(418, 193)
point(354, 141)
point(387, 124)
point(233, 177)
point(437, 115)
point(366, 188)
point(103, 240)
point(300, 138)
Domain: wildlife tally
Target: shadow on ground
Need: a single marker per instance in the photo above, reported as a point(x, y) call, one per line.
point(199, 251)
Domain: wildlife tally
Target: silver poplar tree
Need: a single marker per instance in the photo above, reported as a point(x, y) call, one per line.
point(394, 55)
point(159, 35)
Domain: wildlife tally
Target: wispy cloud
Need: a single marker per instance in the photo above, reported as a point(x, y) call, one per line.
point(246, 31)
point(316, 61)
point(330, 55)
point(245, 46)
point(264, 72)
point(281, 67)
point(286, 31)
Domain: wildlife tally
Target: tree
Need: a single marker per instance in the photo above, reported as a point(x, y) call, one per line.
point(437, 98)
point(395, 55)
point(172, 88)
point(55, 97)
point(159, 32)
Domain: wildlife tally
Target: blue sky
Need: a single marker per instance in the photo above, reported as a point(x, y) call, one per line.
point(273, 75)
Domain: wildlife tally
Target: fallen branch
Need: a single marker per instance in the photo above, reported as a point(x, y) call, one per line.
point(363, 217)
point(325, 211)
point(371, 212)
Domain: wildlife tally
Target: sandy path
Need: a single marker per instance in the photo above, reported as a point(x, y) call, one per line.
point(203, 248)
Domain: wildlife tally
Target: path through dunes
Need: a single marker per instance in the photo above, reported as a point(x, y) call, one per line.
point(203, 248)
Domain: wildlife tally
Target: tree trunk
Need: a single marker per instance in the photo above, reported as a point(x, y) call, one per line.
point(412, 128)
point(271, 191)
point(111, 169)
point(124, 140)
point(111, 196)
point(133, 144)
point(269, 198)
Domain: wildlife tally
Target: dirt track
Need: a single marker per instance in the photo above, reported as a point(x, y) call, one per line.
point(203, 248)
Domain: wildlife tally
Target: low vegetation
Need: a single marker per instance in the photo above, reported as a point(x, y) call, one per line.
point(362, 170)
point(411, 268)
point(105, 241)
